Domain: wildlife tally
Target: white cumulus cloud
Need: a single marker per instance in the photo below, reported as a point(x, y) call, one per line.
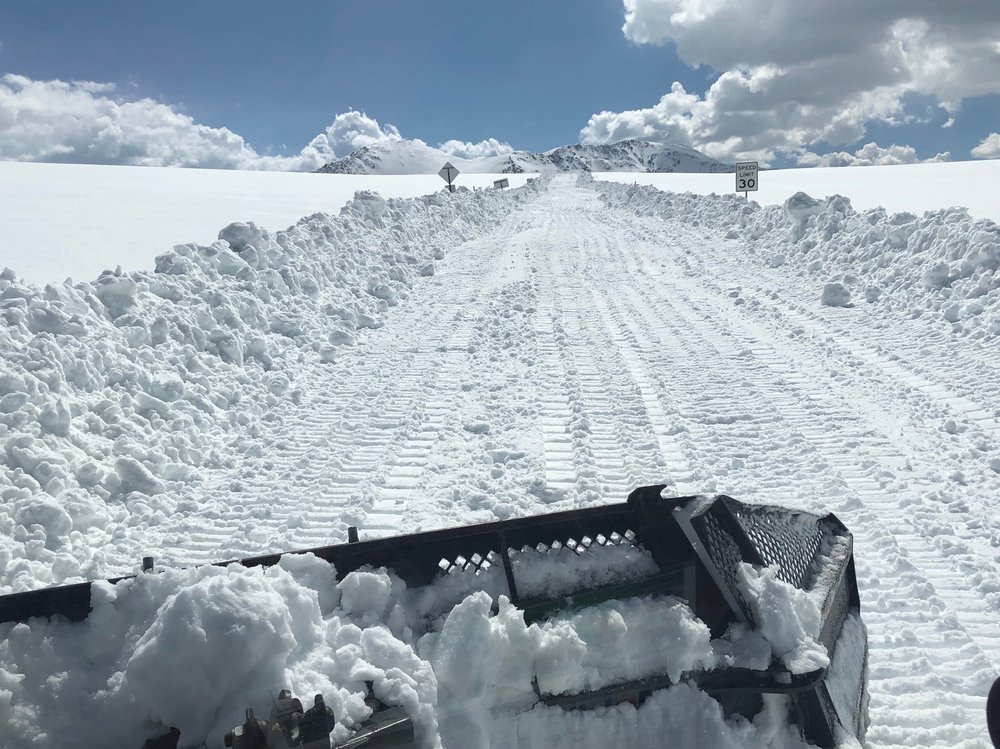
point(795, 73)
point(989, 148)
point(488, 147)
point(87, 122)
point(871, 154)
point(350, 131)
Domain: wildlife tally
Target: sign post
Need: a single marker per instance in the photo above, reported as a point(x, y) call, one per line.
point(499, 184)
point(746, 178)
point(448, 174)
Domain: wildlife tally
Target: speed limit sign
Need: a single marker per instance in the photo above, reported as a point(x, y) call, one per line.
point(746, 177)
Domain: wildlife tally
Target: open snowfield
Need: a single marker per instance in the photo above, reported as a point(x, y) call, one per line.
point(413, 364)
point(76, 220)
point(908, 187)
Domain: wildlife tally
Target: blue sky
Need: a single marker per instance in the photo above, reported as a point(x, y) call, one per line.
point(528, 73)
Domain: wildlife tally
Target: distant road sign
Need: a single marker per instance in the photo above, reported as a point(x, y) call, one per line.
point(746, 177)
point(501, 183)
point(448, 172)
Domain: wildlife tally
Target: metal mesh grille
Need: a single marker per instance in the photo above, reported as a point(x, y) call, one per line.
point(788, 540)
point(725, 555)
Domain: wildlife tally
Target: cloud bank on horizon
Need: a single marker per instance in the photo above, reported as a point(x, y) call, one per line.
point(86, 122)
point(794, 75)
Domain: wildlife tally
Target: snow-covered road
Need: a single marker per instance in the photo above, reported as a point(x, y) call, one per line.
point(585, 345)
point(577, 351)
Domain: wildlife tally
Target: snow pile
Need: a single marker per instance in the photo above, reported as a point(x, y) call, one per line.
point(943, 263)
point(193, 648)
point(117, 397)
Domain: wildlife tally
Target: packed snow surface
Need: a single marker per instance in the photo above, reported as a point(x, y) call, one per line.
point(77, 220)
point(412, 364)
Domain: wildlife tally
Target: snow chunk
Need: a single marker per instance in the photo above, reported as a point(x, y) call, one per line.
point(135, 477)
point(938, 276)
point(116, 292)
point(240, 234)
point(476, 426)
point(836, 295)
point(786, 617)
point(366, 594)
point(798, 208)
point(167, 387)
point(44, 513)
point(216, 637)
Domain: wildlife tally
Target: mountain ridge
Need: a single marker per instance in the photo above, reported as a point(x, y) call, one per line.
point(402, 156)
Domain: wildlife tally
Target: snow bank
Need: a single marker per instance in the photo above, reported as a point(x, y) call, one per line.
point(897, 187)
point(943, 264)
point(118, 397)
point(75, 220)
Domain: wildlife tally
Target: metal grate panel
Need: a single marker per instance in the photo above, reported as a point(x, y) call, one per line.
point(725, 554)
point(787, 540)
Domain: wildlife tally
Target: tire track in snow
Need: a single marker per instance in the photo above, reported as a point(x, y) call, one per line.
point(606, 433)
point(676, 471)
point(628, 449)
point(404, 471)
point(556, 417)
point(317, 477)
point(325, 460)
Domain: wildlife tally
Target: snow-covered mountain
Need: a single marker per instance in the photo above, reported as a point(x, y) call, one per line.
point(416, 157)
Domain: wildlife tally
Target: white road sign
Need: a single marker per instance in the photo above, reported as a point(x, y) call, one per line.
point(746, 176)
point(501, 183)
point(448, 172)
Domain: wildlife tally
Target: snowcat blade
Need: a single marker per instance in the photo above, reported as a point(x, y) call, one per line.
point(697, 544)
